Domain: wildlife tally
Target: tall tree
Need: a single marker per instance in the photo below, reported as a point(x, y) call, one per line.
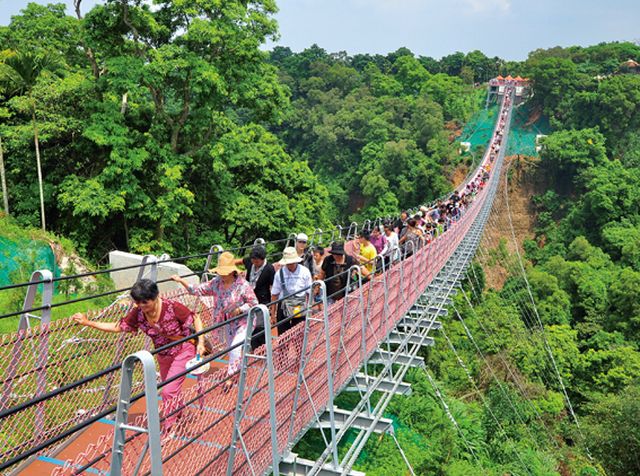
point(19, 73)
point(3, 176)
point(3, 179)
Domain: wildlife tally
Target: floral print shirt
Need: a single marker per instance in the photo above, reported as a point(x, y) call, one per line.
point(175, 322)
point(239, 295)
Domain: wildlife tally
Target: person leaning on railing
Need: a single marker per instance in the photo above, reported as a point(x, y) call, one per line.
point(164, 321)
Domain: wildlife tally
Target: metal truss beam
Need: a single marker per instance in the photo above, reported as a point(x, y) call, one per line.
point(397, 337)
point(422, 324)
point(381, 356)
point(362, 382)
point(362, 421)
point(428, 311)
point(293, 465)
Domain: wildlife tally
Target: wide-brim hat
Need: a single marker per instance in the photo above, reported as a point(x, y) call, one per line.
point(337, 248)
point(226, 265)
point(289, 256)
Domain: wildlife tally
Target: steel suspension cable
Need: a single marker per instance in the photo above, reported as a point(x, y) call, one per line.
point(404, 457)
point(479, 393)
point(526, 311)
point(537, 315)
point(527, 335)
point(451, 417)
point(494, 375)
point(532, 335)
point(504, 362)
point(518, 302)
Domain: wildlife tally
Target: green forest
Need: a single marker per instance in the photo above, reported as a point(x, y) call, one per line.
point(172, 129)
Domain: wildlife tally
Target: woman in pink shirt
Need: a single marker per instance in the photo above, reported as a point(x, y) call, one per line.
point(233, 297)
point(164, 321)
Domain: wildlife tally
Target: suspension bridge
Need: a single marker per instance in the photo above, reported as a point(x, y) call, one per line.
point(76, 401)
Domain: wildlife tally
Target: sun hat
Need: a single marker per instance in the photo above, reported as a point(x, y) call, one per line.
point(289, 256)
point(337, 248)
point(302, 237)
point(226, 265)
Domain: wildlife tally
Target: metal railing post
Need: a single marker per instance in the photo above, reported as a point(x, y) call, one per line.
point(291, 240)
point(152, 261)
point(354, 234)
point(303, 363)
point(30, 297)
point(339, 228)
point(404, 261)
point(153, 414)
point(345, 306)
point(268, 344)
point(316, 238)
point(43, 346)
point(238, 414)
point(330, 403)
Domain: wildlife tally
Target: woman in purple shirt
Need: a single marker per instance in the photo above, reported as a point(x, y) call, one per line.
point(378, 240)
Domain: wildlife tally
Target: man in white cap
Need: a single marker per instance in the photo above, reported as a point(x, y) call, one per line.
point(303, 251)
point(292, 284)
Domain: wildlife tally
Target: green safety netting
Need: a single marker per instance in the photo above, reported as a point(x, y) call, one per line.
point(19, 258)
point(480, 127)
point(522, 136)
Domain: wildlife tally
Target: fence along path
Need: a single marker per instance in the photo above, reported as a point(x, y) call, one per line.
point(202, 440)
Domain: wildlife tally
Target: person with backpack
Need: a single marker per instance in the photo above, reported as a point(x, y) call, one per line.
point(292, 285)
point(164, 321)
point(335, 272)
point(305, 252)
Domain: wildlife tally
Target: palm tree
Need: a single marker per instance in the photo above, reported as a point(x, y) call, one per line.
point(3, 180)
point(19, 72)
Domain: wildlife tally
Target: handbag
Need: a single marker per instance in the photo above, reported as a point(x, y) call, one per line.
point(292, 305)
point(208, 345)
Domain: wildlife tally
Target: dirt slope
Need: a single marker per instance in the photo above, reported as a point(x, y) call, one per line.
point(497, 248)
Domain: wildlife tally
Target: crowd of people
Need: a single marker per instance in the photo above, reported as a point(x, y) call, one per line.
point(285, 287)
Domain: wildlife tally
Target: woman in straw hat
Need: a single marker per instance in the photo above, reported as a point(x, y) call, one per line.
point(233, 297)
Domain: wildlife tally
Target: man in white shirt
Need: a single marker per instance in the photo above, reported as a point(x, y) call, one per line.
point(393, 248)
point(292, 284)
